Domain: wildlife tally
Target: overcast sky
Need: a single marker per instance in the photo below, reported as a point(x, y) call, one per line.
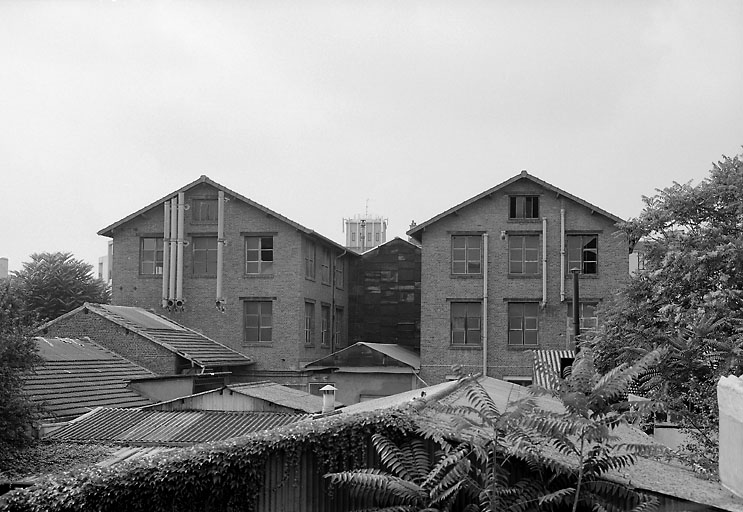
point(323, 110)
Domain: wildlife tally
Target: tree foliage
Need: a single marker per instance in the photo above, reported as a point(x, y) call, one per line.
point(52, 284)
point(688, 299)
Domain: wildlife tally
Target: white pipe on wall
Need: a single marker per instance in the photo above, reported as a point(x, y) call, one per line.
point(181, 240)
point(173, 249)
point(220, 249)
point(562, 254)
point(166, 252)
point(544, 261)
point(484, 326)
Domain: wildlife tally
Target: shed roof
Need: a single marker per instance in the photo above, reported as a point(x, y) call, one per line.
point(78, 375)
point(167, 428)
point(417, 231)
point(109, 230)
point(388, 354)
point(187, 343)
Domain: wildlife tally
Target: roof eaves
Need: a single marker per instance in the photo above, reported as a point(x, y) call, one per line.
point(416, 232)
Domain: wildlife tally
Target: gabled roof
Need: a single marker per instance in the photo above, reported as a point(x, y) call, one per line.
point(78, 375)
point(416, 232)
point(386, 355)
point(395, 240)
point(167, 428)
point(109, 230)
point(284, 396)
point(181, 340)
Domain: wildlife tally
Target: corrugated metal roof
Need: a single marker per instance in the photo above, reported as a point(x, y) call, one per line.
point(187, 343)
point(78, 375)
point(547, 365)
point(348, 356)
point(168, 428)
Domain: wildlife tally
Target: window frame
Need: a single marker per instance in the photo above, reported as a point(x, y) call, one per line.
point(466, 237)
point(261, 316)
point(325, 332)
point(265, 267)
point(325, 259)
point(467, 331)
point(518, 205)
point(523, 254)
point(583, 329)
point(309, 323)
point(197, 210)
point(513, 306)
point(210, 256)
point(310, 253)
point(159, 240)
point(583, 251)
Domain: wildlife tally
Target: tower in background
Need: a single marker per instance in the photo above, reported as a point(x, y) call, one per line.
point(364, 232)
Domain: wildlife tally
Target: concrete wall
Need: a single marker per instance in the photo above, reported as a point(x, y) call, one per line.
point(287, 286)
point(491, 215)
point(730, 401)
point(352, 387)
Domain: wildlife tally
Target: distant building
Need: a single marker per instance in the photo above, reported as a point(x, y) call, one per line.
point(3, 268)
point(365, 232)
point(104, 264)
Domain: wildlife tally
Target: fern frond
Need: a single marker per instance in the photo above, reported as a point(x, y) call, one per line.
point(557, 497)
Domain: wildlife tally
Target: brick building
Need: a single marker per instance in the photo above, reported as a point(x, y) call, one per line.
point(242, 274)
point(496, 282)
point(385, 301)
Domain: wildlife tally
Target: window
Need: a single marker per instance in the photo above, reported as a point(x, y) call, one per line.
point(309, 323)
point(338, 327)
point(259, 255)
point(204, 255)
point(523, 323)
point(353, 237)
point(524, 207)
point(466, 254)
point(258, 321)
point(588, 318)
point(583, 253)
point(376, 237)
point(466, 321)
point(309, 258)
point(339, 273)
point(150, 256)
point(204, 210)
point(325, 326)
point(325, 265)
point(523, 254)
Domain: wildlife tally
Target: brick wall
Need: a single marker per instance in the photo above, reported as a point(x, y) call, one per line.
point(286, 286)
point(119, 340)
point(490, 215)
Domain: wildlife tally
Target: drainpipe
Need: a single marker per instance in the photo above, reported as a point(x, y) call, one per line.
point(544, 261)
point(166, 253)
point(220, 250)
point(484, 333)
point(576, 307)
point(562, 255)
point(181, 241)
point(173, 251)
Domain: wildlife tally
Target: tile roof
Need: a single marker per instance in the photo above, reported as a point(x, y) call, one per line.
point(79, 375)
point(185, 342)
point(417, 231)
point(167, 428)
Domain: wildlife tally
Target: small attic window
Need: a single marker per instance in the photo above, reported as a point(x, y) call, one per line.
point(523, 207)
point(204, 209)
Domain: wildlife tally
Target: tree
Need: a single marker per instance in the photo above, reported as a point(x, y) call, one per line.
point(688, 299)
point(52, 284)
point(17, 356)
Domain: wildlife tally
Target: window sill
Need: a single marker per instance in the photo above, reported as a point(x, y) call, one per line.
point(465, 347)
point(151, 276)
point(521, 348)
point(524, 276)
point(465, 276)
point(255, 344)
point(527, 220)
point(259, 276)
point(203, 276)
point(583, 276)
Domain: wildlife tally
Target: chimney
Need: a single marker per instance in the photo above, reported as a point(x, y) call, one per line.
point(730, 402)
point(328, 398)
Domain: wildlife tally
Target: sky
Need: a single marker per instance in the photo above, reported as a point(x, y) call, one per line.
point(323, 110)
